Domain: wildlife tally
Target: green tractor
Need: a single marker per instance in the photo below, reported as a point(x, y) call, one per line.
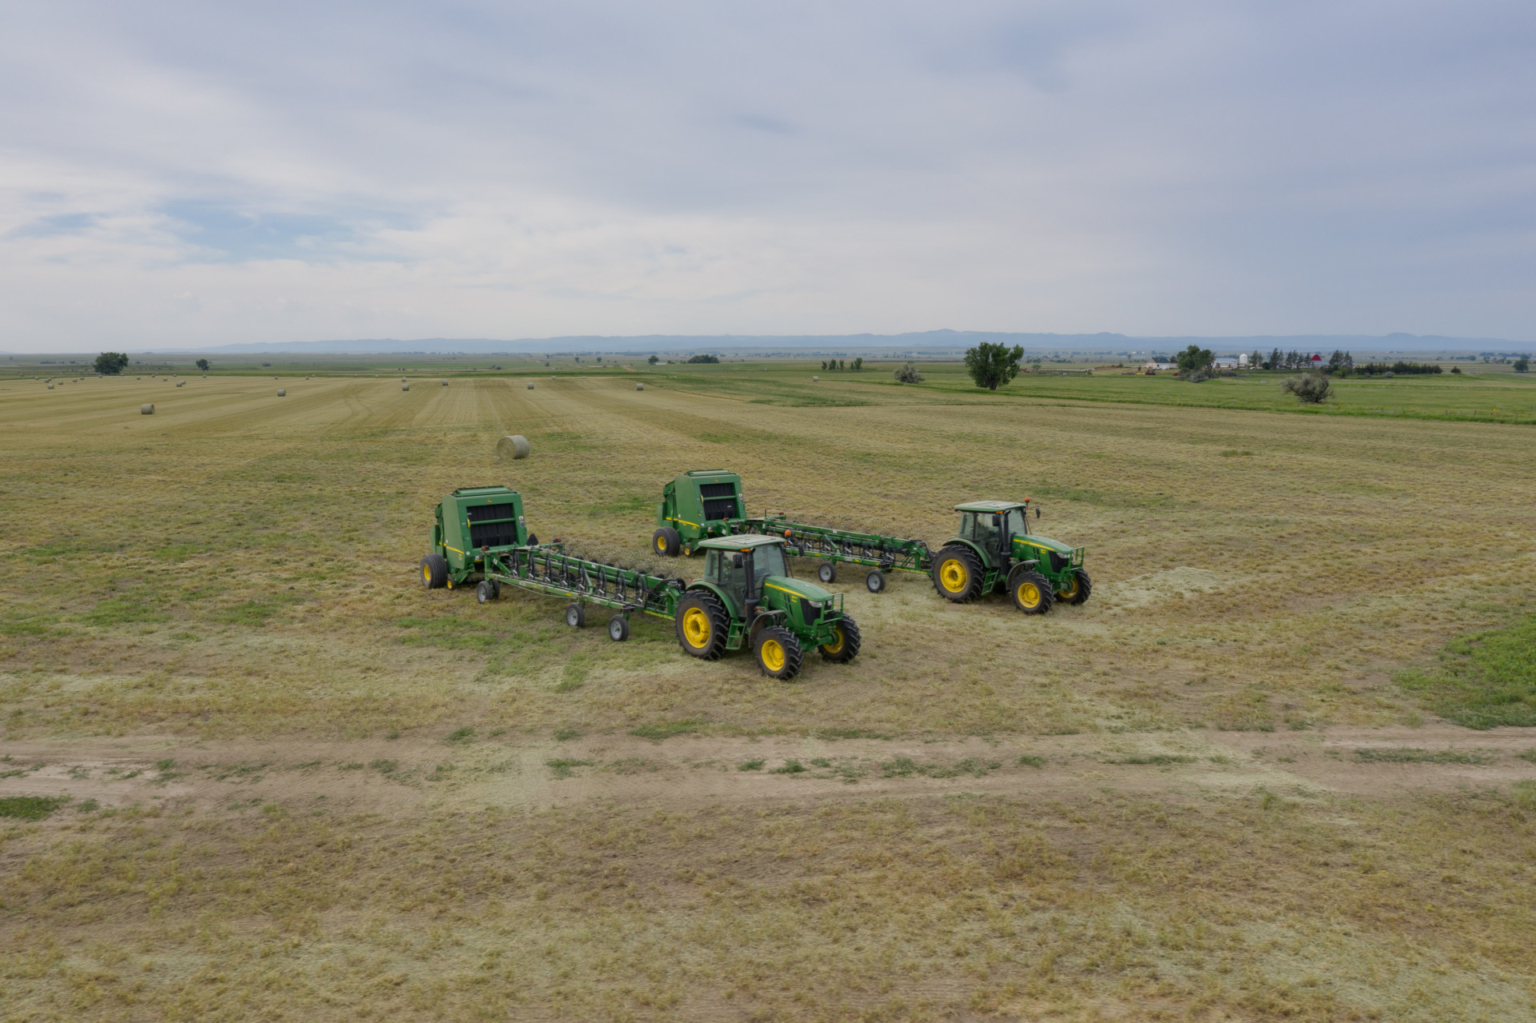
point(994, 550)
point(748, 597)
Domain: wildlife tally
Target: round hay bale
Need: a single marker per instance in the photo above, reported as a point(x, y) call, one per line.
point(639, 387)
point(405, 387)
point(445, 383)
point(282, 392)
point(530, 385)
point(50, 387)
point(147, 409)
point(514, 446)
point(814, 379)
point(180, 382)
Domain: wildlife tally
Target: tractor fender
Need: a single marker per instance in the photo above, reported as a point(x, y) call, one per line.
point(732, 606)
point(763, 621)
point(960, 541)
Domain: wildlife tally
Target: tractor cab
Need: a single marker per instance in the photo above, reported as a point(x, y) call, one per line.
point(991, 525)
point(742, 565)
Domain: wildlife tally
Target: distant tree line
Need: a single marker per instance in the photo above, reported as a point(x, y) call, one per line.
point(1397, 369)
point(704, 358)
point(837, 365)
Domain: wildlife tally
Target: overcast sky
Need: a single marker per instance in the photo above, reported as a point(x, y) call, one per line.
point(206, 173)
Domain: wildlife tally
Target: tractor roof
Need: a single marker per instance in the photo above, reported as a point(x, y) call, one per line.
point(739, 543)
point(990, 506)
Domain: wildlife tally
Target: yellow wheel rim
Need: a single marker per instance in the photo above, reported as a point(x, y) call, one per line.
point(772, 653)
point(661, 544)
point(836, 646)
point(1029, 595)
point(1068, 589)
point(696, 626)
point(426, 573)
point(953, 576)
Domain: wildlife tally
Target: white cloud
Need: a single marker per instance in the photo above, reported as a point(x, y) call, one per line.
point(194, 174)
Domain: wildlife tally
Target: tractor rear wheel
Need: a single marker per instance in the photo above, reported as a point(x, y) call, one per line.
point(778, 653)
point(875, 581)
point(487, 591)
point(618, 628)
point(575, 615)
point(1031, 592)
point(957, 574)
point(702, 625)
point(666, 542)
point(827, 572)
point(434, 571)
point(846, 647)
point(1078, 590)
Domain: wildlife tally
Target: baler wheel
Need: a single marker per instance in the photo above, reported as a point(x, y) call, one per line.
point(666, 542)
point(846, 647)
point(1031, 592)
point(618, 628)
point(434, 571)
point(702, 625)
point(827, 572)
point(575, 615)
point(487, 591)
point(778, 653)
point(875, 581)
point(957, 574)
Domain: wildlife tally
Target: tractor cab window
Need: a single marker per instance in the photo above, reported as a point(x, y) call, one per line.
point(721, 567)
point(767, 561)
point(1015, 523)
point(979, 528)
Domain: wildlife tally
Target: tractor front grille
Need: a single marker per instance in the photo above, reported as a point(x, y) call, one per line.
point(485, 531)
point(1059, 561)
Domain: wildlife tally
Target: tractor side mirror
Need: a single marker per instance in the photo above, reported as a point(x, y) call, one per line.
point(737, 561)
point(997, 522)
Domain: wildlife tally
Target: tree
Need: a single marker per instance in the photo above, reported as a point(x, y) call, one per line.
point(841, 365)
point(1194, 359)
point(1335, 361)
point(202, 364)
point(1523, 364)
point(992, 364)
point(1255, 359)
point(653, 360)
point(111, 363)
point(858, 364)
point(908, 374)
point(1274, 359)
point(1309, 388)
point(709, 359)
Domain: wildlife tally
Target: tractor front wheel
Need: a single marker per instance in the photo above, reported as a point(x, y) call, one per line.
point(702, 625)
point(1031, 592)
point(846, 646)
point(957, 574)
point(1076, 589)
point(666, 542)
point(434, 571)
point(778, 653)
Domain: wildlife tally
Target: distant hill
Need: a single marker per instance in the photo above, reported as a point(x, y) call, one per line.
point(928, 341)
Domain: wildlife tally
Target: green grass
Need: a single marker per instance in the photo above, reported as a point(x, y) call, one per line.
point(29, 808)
point(1484, 680)
point(667, 729)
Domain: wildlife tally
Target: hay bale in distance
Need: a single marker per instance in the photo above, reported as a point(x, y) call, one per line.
point(445, 383)
point(639, 387)
point(514, 446)
point(530, 385)
point(147, 409)
point(815, 379)
point(405, 387)
point(282, 392)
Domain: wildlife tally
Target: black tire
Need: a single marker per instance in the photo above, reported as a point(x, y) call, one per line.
point(848, 646)
point(1030, 591)
point(434, 571)
point(665, 542)
point(1075, 590)
point(487, 591)
point(778, 653)
point(875, 581)
point(957, 574)
point(702, 625)
point(618, 628)
point(827, 572)
point(575, 616)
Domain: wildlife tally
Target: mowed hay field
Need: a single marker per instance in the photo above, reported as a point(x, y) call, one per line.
point(277, 779)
